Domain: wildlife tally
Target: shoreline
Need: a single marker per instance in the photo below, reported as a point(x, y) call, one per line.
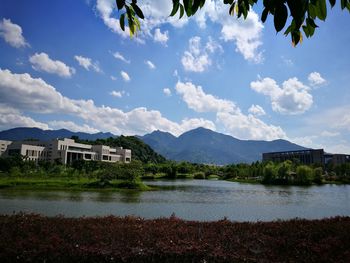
point(130, 239)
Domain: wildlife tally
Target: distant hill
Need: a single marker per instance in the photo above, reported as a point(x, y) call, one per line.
point(206, 146)
point(18, 134)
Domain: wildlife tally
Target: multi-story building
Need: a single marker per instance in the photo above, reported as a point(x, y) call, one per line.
point(309, 156)
point(3, 146)
point(66, 151)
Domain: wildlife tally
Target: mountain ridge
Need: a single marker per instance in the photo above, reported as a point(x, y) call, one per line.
point(202, 145)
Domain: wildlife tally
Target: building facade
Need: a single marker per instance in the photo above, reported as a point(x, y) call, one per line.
point(310, 156)
point(66, 151)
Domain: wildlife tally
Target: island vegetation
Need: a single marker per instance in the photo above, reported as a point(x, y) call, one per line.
point(20, 173)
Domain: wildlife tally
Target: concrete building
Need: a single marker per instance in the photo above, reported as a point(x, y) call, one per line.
point(3, 146)
point(310, 156)
point(65, 151)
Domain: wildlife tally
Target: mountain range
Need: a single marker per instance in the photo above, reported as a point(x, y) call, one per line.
point(24, 133)
point(198, 145)
point(206, 146)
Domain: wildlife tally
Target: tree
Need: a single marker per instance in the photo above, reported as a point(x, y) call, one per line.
point(304, 13)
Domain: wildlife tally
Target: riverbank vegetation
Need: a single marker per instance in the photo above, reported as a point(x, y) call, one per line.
point(19, 173)
point(35, 238)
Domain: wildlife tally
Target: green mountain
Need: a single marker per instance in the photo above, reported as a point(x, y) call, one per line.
point(206, 146)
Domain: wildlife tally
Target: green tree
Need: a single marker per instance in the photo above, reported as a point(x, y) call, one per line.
point(304, 175)
point(304, 13)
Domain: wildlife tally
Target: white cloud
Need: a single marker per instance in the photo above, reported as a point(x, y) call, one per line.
point(119, 56)
point(125, 76)
point(117, 94)
point(228, 114)
point(105, 9)
point(315, 79)
point(10, 117)
point(292, 98)
point(161, 37)
point(150, 64)
point(35, 95)
point(87, 63)
point(12, 33)
point(196, 58)
point(69, 125)
point(42, 62)
point(256, 110)
point(329, 134)
point(113, 78)
point(167, 92)
point(245, 33)
point(338, 117)
point(197, 100)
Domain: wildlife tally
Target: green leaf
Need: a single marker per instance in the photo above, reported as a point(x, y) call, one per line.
point(343, 4)
point(175, 7)
point(182, 11)
point(311, 22)
point(232, 9)
point(188, 7)
point(195, 6)
point(332, 2)
point(137, 10)
point(264, 15)
point(120, 4)
point(201, 4)
point(122, 21)
point(321, 9)
point(228, 2)
point(280, 17)
point(296, 37)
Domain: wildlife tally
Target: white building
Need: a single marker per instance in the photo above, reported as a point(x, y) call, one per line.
point(65, 151)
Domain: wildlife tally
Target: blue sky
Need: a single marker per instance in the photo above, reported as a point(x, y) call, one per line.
point(67, 64)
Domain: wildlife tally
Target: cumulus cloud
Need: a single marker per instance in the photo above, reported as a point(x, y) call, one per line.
point(24, 92)
point(167, 92)
point(125, 76)
point(113, 78)
point(42, 62)
point(228, 114)
point(197, 100)
point(11, 117)
point(87, 63)
point(196, 58)
point(105, 9)
point(12, 33)
point(315, 79)
point(246, 33)
point(150, 64)
point(292, 97)
point(117, 94)
point(161, 37)
point(119, 56)
point(256, 110)
point(72, 126)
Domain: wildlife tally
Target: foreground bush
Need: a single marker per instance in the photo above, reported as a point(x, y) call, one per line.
point(35, 238)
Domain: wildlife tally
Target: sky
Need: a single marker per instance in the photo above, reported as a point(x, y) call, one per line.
point(67, 64)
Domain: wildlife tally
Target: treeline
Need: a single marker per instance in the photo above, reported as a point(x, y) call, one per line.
point(285, 173)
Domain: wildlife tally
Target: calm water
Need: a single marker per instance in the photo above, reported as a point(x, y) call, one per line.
point(204, 200)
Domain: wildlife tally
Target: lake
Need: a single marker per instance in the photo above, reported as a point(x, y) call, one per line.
point(204, 200)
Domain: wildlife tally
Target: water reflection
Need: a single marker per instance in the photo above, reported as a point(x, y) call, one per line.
point(189, 199)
